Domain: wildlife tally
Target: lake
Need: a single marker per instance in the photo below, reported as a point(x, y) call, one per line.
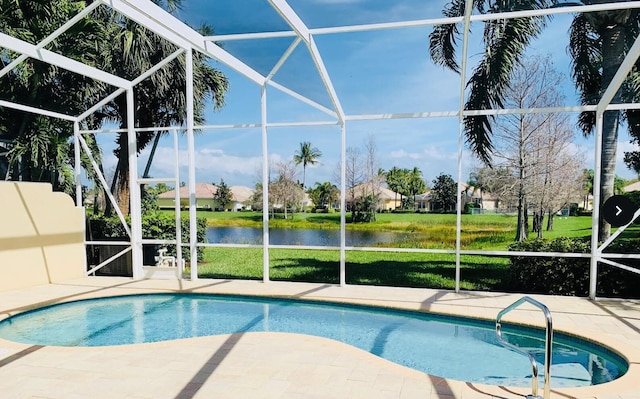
point(311, 237)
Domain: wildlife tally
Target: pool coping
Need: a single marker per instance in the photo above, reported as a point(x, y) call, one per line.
point(613, 323)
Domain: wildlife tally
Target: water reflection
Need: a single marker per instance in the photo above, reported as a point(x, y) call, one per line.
point(311, 237)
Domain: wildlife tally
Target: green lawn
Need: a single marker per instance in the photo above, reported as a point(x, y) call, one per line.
point(371, 268)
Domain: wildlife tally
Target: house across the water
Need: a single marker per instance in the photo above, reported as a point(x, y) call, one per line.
point(205, 198)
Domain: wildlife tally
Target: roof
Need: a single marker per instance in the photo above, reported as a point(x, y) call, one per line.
point(241, 193)
point(207, 191)
point(383, 192)
point(632, 187)
point(203, 190)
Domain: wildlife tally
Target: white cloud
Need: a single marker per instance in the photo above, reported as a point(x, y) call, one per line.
point(430, 152)
point(212, 151)
point(433, 160)
point(212, 164)
point(586, 146)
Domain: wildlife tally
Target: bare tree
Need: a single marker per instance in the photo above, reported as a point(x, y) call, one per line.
point(363, 177)
point(557, 178)
point(526, 142)
point(373, 177)
point(284, 190)
point(354, 173)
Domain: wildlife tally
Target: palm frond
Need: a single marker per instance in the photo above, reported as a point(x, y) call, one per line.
point(505, 42)
point(585, 49)
point(443, 38)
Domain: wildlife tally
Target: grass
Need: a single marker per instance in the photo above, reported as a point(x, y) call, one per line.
point(362, 267)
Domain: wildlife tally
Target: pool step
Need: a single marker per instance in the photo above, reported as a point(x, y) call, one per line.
point(566, 375)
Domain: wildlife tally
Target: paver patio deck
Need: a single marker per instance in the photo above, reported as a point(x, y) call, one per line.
point(276, 365)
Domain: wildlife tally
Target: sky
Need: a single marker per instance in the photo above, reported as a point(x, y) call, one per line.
point(373, 72)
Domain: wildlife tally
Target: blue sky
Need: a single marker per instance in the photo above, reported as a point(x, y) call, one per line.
point(373, 72)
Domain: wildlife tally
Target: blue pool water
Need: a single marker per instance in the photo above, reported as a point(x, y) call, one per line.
point(451, 347)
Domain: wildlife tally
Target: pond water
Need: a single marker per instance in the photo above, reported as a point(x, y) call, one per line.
point(312, 237)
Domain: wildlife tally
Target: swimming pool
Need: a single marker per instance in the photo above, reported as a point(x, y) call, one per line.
point(450, 347)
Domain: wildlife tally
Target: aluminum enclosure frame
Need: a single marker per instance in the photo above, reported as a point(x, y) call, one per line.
point(170, 28)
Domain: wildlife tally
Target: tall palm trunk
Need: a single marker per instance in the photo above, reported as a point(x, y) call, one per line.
point(120, 183)
point(613, 39)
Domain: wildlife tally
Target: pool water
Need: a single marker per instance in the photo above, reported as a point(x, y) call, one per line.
point(450, 347)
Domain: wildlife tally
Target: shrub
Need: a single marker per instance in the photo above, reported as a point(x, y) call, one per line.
point(615, 282)
point(569, 276)
point(634, 196)
point(469, 206)
point(155, 225)
point(573, 209)
point(364, 209)
point(400, 210)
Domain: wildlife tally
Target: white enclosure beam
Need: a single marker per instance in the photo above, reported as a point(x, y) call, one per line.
point(620, 76)
point(606, 98)
point(326, 78)
point(156, 67)
point(304, 99)
point(96, 107)
point(265, 186)
point(82, 14)
point(284, 57)
point(107, 261)
point(134, 188)
point(620, 266)
point(574, 9)
point(164, 24)
point(343, 204)
point(176, 205)
point(249, 36)
point(76, 164)
point(104, 184)
point(413, 115)
point(223, 56)
point(385, 25)
point(463, 71)
point(618, 231)
point(430, 21)
point(595, 217)
point(153, 17)
point(287, 13)
point(191, 147)
point(38, 111)
point(20, 46)
point(156, 180)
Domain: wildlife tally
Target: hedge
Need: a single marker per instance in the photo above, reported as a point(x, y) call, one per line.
point(570, 276)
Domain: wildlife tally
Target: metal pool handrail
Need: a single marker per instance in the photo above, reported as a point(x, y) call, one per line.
point(547, 346)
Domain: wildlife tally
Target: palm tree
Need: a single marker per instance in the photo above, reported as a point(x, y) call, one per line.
point(392, 178)
point(598, 43)
point(416, 183)
point(306, 155)
point(159, 100)
point(587, 186)
point(479, 180)
point(40, 147)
